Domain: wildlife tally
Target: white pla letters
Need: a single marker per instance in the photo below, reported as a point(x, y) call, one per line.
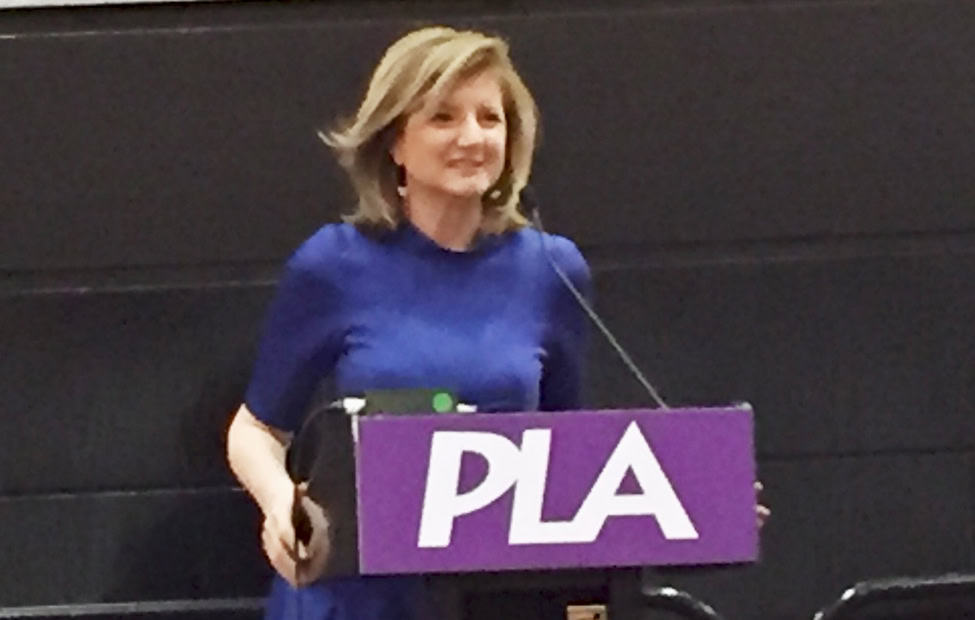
point(526, 469)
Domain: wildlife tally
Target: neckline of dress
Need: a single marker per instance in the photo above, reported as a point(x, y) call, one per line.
point(415, 239)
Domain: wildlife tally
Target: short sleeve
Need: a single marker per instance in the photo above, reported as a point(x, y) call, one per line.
point(562, 370)
point(300, 342)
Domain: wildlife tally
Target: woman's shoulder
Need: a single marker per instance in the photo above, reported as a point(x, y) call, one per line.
point(562, 250)
point(329, 251)
point(331, 243)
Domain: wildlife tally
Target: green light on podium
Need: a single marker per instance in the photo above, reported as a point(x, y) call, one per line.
point(443, 402)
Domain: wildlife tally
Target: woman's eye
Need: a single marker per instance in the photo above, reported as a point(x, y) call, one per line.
point(441, 117)
point(491, 119)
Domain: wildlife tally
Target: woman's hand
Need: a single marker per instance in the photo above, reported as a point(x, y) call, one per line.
point(298, 563)
point(762, 513)
point(313, 558)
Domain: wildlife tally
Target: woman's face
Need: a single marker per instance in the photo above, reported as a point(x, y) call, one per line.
point(455, 147)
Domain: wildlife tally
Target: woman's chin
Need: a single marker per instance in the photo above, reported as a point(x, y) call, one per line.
point(467, 191)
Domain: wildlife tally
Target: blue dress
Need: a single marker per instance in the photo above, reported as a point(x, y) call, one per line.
point(493, 324)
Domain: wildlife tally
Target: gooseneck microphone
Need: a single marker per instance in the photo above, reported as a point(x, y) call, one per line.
point(529, 203)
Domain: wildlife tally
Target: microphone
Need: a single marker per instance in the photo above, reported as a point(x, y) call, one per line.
point(301, 470)
point(529, 202)
point(300, 519)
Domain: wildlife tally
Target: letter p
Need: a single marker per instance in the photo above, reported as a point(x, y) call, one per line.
point(441, 501)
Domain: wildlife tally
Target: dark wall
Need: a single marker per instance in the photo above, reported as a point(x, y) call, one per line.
point(776, 199)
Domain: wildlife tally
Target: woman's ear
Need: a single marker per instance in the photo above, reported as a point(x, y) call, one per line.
point(396, 150)
point(394, 138)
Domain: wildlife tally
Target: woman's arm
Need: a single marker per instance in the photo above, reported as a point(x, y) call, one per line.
point(567, 329)
point(300, 342)
point(256, 453)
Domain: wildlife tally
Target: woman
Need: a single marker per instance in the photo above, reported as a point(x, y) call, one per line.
point(435, 281)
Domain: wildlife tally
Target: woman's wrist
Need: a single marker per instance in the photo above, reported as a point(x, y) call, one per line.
point(276, 493)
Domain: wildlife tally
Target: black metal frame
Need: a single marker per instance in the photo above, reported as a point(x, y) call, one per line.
point(679, 602)
point(866, 593)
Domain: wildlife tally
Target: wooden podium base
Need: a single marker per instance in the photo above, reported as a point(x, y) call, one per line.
point(586, 612)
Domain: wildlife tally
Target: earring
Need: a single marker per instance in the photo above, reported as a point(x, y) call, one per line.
point(401, 181)
point(502, 185)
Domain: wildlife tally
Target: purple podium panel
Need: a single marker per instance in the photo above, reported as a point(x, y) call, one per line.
point(472, 492)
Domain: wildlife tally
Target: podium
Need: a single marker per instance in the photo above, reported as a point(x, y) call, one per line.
point(569, 490)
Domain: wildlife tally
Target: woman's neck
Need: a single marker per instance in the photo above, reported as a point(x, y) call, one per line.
point(451, 222)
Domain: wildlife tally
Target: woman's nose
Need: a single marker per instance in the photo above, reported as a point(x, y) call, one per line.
point(470, 131)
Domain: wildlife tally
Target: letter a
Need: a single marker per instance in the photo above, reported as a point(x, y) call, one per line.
point(658, 497)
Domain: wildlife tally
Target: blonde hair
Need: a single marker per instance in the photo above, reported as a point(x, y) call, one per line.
point(428, 62)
